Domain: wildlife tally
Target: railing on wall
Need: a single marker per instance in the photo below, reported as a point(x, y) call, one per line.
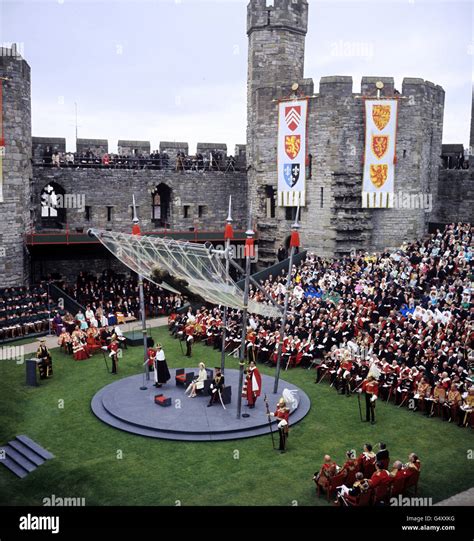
point(227, 165)
point(72, 237)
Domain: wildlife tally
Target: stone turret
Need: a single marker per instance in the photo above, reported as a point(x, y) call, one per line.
point(16, 167)
point(276, 33)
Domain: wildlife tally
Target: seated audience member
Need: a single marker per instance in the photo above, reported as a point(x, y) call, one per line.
point(380, 476)
point(326, 472)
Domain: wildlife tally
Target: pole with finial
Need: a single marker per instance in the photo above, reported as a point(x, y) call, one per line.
point(136, 231)
point(249, 253)
point(294, 243)
point(228, 236)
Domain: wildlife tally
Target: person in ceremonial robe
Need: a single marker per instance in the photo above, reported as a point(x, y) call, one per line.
point(79, 349)
point(327, 471)
point(162, 374)
point(65, 341)
point(351, 464)
point(45, 365)
point(151, 356)
point(380, 477)
point(252, 385)
point(466, 416)
point(423, 391)
point(439, 398)
point(453, 403)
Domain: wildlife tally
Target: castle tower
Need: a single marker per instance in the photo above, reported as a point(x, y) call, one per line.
point(276, 33)
point(16, 174)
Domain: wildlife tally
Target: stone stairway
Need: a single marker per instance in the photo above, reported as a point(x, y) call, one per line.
point(22, 456)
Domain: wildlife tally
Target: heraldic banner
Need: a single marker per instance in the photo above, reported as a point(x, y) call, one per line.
point(292, 153)
point(379, 158)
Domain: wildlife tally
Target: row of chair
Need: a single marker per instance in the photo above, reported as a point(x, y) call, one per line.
point(374, 496)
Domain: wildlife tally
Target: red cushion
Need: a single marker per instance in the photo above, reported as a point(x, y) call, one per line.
point(181, 377)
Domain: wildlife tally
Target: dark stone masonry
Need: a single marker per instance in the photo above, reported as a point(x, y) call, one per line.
point(333, 221)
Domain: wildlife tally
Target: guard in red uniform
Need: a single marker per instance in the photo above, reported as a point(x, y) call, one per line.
point(371, 389)
point(282, 413)
point(114, 347)
point(344, 374)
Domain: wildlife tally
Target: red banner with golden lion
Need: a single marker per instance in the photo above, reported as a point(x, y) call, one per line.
point(380, 152)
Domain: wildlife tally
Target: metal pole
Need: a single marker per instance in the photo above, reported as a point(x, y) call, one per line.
point(227, 266)
point(295, 228)
point(49, 310)
point(144, 330)
point(146, 374)
point(249, 244)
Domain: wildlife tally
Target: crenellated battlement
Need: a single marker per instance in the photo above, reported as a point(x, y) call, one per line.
point(291, 15)
point(342, 85)
point(130, 148)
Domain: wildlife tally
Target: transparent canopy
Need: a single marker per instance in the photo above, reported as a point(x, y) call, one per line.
point(176, 265)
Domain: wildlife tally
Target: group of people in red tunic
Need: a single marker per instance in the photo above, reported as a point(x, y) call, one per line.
point(406, 314)
point(366, 472)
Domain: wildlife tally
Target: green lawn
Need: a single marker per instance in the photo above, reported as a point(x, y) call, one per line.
point(242, 472)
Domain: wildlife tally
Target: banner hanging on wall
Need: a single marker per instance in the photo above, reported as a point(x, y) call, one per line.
point(379, 158)
point(291, 156)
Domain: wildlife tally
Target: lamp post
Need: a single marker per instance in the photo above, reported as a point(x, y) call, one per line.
point(228, 235)
point(249, 253)
point(294, 243)
point(136, 231)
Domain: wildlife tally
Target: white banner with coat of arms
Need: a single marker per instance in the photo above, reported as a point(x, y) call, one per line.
point(379, 158)
point(292, 152)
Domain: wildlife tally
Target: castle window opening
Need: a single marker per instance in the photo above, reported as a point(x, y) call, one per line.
point(202, 211)
point(321, 200)
point(87, 213)
point(186, 211)
point(53, 209)
point(290, 213)
point(270, 201)
point(309, 166)
point(109, 213)
point(161, 198)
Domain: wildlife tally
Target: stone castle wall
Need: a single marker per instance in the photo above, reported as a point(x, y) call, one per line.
point(333, 221)
point(455, 196)
point(114, 188)
point(17, 171)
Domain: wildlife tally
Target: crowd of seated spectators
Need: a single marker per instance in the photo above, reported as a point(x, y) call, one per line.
point(407, 315)
point(118, 295)
point(216, 161)
point(84, 334)
point(24, 311)
point(367, 479)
